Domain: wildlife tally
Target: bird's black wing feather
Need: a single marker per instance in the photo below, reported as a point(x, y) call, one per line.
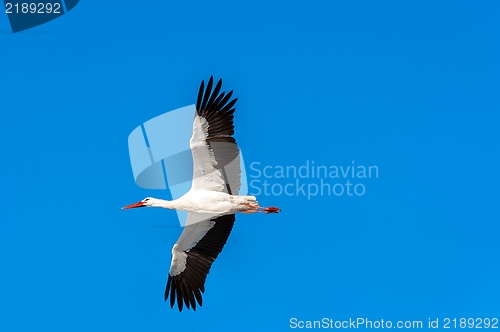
point(188, 286)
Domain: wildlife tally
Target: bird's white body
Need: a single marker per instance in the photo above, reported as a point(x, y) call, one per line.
point(208, 202)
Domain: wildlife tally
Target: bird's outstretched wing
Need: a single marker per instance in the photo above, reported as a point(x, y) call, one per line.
point(216, 156)
point(192, 256)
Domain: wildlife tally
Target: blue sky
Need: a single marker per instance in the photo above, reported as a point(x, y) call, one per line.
point(411, 88)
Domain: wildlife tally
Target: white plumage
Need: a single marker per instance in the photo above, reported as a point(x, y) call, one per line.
point(212, 201)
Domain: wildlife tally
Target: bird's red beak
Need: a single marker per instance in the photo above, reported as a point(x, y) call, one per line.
point(135, 205)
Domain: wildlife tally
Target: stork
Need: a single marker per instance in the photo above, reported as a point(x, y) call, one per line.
point(212, 201)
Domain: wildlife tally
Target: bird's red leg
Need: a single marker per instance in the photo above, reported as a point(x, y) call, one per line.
point(250, 211)
point(270, 209)
point(252, 208)
point(256, 208)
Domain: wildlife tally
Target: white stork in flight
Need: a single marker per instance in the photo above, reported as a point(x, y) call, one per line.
point(211, 202)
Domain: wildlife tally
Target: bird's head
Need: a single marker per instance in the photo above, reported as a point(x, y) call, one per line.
point(148, 201)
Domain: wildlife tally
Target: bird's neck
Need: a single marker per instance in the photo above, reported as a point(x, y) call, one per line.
point(165, 204)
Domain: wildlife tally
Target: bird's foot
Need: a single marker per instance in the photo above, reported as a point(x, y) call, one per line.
point(252, 208)
point(271, 209)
